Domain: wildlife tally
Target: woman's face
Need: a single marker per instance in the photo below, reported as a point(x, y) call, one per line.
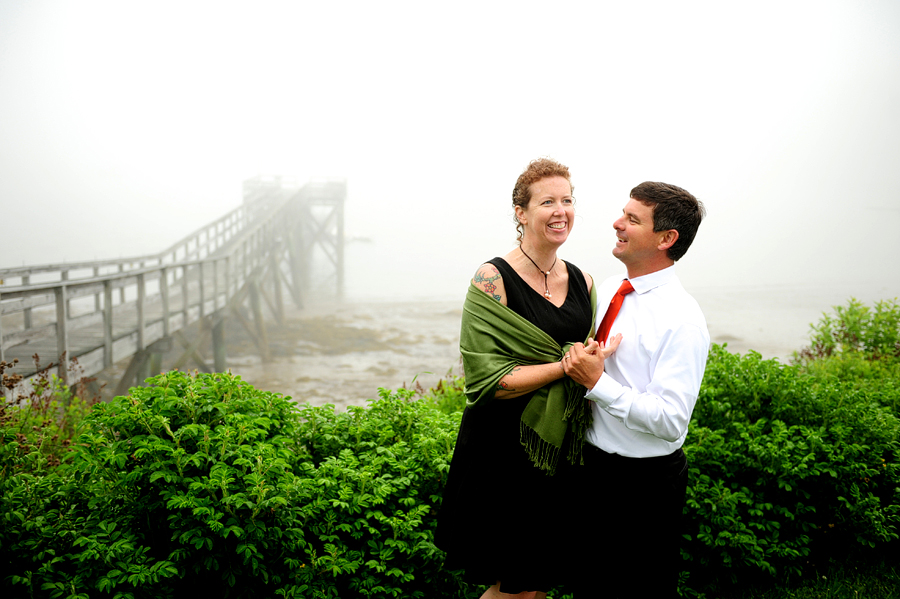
point(550, 213)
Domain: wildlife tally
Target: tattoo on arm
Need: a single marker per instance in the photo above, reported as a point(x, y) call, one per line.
point(504, 386)
point(487, 282)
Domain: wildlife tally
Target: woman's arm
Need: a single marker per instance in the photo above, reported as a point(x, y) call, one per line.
point(525, 379)
point(522, 379)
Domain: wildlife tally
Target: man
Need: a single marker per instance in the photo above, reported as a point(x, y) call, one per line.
point(643, 396)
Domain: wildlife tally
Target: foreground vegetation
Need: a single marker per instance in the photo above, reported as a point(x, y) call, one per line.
point(203, 483)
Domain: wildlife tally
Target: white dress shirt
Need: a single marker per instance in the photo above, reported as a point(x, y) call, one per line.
point(643, 401)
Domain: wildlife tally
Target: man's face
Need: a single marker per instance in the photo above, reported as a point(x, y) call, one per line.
point(636, 243)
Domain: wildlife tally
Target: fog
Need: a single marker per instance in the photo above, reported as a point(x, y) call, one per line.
point(125, 126)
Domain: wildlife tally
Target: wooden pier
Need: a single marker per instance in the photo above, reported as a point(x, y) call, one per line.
point(84, 317)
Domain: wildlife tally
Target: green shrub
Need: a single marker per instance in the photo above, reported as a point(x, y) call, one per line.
point(203, 483)
point(448, 396)
point(784, 468)
point(375, 480)
point(37, 428)
point(856, 328)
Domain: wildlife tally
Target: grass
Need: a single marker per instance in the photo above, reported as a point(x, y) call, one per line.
point(853, 580)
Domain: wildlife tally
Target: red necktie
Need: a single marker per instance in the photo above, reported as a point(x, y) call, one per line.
point(614, 305)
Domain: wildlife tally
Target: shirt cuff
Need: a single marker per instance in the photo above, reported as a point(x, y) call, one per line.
point(606, 391)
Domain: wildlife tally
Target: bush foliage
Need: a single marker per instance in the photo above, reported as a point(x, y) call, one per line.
point(202, 483)
point(785, 469)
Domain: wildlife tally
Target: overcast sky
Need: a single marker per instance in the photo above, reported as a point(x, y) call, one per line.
point(124, 126)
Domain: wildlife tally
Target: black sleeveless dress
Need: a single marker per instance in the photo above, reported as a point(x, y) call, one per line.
point(501, 518)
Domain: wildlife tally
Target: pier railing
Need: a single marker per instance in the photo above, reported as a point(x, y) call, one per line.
point(97, 313)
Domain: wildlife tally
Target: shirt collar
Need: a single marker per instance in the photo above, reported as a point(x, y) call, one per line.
point(653, 280)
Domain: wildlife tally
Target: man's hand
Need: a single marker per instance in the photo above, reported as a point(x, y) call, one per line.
point(584, 364)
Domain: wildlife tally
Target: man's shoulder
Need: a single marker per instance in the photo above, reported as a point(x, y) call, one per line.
point(680, 306)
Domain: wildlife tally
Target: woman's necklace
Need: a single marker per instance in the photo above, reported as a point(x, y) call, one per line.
point(546, 274)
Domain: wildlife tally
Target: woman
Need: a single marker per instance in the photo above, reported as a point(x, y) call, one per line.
point(506, 515)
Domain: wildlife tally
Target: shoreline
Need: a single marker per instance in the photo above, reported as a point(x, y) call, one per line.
point(343, 352)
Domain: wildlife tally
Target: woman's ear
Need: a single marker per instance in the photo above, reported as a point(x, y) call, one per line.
point(520, 216)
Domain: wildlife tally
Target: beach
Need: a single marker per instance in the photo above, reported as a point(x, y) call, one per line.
point(342, 352)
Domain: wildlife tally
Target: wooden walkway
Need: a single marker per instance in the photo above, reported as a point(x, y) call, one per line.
point(84, 317)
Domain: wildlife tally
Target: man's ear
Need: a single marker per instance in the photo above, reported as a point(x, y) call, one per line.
point(667, 239)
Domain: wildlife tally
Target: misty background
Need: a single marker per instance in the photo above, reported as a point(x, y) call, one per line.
point(126, 126)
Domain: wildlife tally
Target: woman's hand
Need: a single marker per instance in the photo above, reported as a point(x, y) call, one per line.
point(584, 363)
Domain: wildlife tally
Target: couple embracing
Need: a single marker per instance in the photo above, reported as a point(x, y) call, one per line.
point(568, 468)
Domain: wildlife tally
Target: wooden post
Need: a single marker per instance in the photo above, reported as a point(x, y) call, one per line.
point(164, 295)
point(142, 296)
point(122, 288)
point(64, 276)
point(142, 373)
point(62, 344)
point(96, 295)
point(228, 293)
point(256, 306)
point(107, 323)
point(293, 243)
point(185, 304)
point(27, 313)
point(275, 267)
point(215, 267)
point(245, 254)
point(202, 277)
point(155, 362)
point(218, 341)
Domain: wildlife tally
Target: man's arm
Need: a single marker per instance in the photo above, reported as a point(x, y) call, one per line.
point(664, 409)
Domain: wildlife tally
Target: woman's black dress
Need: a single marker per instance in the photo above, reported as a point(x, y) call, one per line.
point(503, 519)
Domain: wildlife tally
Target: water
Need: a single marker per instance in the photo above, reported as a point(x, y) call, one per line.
point(399, 322)
point(342, 353)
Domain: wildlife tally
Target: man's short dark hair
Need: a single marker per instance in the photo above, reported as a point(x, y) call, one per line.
point(673, 208)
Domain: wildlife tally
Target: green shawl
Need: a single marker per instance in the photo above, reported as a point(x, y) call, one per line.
point(494, 339)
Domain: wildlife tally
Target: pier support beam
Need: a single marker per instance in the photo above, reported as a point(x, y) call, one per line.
point(218, 340)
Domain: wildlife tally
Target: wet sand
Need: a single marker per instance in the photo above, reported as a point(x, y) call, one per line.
point(342, 353)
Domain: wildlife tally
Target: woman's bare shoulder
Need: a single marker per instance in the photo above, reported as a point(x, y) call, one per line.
point(488, 279)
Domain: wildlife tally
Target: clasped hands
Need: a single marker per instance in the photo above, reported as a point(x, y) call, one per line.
point(584, 363)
